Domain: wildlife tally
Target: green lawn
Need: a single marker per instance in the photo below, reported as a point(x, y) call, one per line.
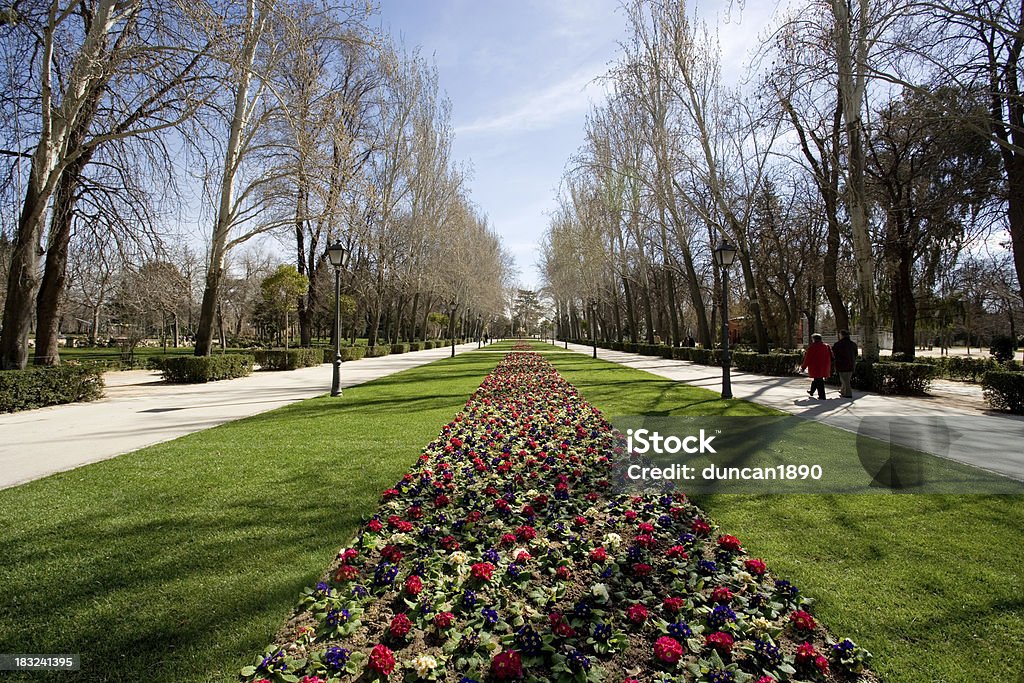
point(179, 562)
point(932, 585)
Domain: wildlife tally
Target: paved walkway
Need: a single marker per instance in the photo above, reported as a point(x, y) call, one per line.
point(958, 424)
point(140, 410)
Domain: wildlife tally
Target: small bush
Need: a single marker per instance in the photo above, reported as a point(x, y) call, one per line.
point(378, 350)
point(399, 348)
point(200, 369)
point(288, 359)
point(156, 362)
point(49, 386)
point(1002, 347)
point(347, 353)
point(416, 346)
point(1004, 390)
point(774, 364)
point(965, 368)
point(901, 379)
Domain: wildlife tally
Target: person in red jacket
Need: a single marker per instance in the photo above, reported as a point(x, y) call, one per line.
point(818, 364)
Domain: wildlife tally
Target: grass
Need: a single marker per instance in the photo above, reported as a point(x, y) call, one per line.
point(179, 562)
point(932, 584)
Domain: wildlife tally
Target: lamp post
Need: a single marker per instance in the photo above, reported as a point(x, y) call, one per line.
point(593, 324)
point(338, 255)
point(451, 325)
point(724, 255)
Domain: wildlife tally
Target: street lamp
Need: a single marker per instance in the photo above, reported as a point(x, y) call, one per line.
point(593, 324)
point(451, 324)
point(338, 255)
point(724, 255)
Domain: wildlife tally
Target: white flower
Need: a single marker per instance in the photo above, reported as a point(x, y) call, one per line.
point(400, 539)
point(746, 577)
point(600, 591)
point(760, 624)
point(458, 558)
point(613, 540)
point(424, 664)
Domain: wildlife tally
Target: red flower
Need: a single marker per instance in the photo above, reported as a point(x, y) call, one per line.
point(482, 571)
point(645, 541)
point(668, 650)
point(449, 543)
point(526, 533)
point(345, 572)
point(389, 494)
point(382, 660)
point(821, 664)
point(348, 555)
point(673, 605)
point(755, 566)
point(312, 679)
point(730, 543)
point(441, 501)
point(522, 557)
point(802, 620)
point(722, 642)
point(598, 554)
point(630, 515)
point(645, 528)
point(391, 553)
point(700, 527)
point(443, 620)
point(805, 654)
point(563, 573)
point(507, 666)
point(413, 585)
point(508, 539)
point(641, 569)
point(721, 595)
point(375, 526)
point(677, 551)
point(765, 679)
point(400, 626)
point(637, 613)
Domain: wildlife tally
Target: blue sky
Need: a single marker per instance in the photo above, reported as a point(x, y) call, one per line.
point(521, 78)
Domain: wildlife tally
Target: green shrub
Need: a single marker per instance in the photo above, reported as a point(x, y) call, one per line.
point(429, 344)
point(49, 386)
point(200, 369)
point(399, 348)
point(616, 346)
point(1002, 347)
point(702, 356)
point(1004, 390)
point(416, 346)
point(902, 379)
point(965, 368)
point(774, 364)
point(378, 350)
point(156, 362)
point(288, 359)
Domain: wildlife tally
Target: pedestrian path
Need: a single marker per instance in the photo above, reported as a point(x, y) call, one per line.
point(140, 410)
point(955, 428)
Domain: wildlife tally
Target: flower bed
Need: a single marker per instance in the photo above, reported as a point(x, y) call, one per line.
point(505, 554)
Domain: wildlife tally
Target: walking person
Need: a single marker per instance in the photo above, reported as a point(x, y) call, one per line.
point(818, 364)
point(845, 353)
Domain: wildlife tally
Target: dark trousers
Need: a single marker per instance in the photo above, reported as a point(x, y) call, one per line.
point(818, 384)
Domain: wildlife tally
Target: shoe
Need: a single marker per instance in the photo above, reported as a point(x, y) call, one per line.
point(810, 393)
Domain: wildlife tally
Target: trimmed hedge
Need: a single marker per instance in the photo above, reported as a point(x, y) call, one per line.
point(399, 348)
point(48, 386)
point(416, 346)
point(201, 369)
point(287, 359)
point(347, 353)
point(378, 350)
point(774, 364)
point(903, 379)
point(1004, 390)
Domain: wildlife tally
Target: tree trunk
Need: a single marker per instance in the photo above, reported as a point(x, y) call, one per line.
point(630, 309)
point(22, 282)
point(753, 303)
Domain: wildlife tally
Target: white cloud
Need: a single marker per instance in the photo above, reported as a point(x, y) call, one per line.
point(545, 108)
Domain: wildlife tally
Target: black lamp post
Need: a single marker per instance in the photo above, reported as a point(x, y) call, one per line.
point(451, 325)
point(725, 253)
point(593, 324)
point(338, 255)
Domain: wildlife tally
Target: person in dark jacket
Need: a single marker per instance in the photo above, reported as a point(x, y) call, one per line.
point(818, 364)
point(845, 353)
